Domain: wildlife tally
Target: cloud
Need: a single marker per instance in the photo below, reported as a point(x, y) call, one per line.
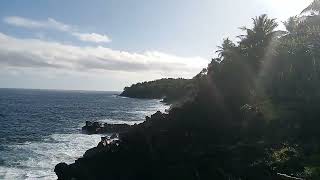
point(53, 24)
point(39, 54)
point(29, 23)
point(92, 37)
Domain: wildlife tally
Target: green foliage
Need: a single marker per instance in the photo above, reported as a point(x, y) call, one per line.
point(226, 49)
point(256, 94)
point(314, 6)
point(267, 87)
point(286, 159)
point(312, 173)
point(253, 113)
point(170, 90)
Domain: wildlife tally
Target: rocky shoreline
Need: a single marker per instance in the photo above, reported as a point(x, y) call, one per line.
point(163, 148)
point(104, 128)
point(119, 135)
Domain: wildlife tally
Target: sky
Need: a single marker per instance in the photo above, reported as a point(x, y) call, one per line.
point(110, 44)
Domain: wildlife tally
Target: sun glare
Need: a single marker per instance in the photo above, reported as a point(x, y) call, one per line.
point(286, 8)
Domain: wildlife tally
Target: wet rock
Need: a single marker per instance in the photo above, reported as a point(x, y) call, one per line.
point(99, 128)
point(62, 171)
point(158, 116)
point(114, 136)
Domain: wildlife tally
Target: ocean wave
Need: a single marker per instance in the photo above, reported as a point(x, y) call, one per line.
point(113, 121)
point(40, 158)
point(43, 128)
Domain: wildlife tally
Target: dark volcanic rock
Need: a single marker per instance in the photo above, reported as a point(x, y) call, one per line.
point(62, 171)
point(165, 147)
point(100, 128)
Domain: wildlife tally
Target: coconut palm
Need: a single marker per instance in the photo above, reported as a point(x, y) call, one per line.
point(262, 32)
point(255, 42)
point(225, 50)
point(292, 24)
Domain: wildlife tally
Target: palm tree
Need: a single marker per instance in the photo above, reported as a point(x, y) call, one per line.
point(262, 32)
point(255, 42)
point(225, 50)
point(292, 24)
point(314, 7)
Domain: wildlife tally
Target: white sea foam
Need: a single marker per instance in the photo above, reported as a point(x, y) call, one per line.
point(113, 121)
point(41, 157)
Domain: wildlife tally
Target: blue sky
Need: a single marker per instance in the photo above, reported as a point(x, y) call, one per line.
point(109, 44)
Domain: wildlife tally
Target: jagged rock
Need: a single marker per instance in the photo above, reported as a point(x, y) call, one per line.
point(157, 116)
point(114, 136)
point(62, 171)
point(99, 128)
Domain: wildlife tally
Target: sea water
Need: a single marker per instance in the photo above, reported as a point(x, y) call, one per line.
point(40, 128)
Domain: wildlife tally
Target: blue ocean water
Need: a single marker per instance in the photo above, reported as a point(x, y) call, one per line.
point(40, 128)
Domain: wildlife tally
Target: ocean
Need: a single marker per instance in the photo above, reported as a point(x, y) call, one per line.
point(40, 128)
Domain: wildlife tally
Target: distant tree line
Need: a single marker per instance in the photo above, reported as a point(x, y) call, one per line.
point(169, 89)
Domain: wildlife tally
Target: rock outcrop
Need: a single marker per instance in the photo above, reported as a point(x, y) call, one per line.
point(62, 171)
point(102, 128)
point(167, 146)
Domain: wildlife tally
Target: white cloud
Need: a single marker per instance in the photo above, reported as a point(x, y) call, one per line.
point(22, 22)
point(29, 23)
point(92, 37)
point(39, 54)
point(53, 24)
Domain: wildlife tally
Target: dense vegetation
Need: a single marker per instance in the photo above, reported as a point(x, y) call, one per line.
point(170, 90)
point(255, 113)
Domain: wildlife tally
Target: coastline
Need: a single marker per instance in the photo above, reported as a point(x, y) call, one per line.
point(44, 127)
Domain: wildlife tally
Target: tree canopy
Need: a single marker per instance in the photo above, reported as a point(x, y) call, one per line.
point(257, 101)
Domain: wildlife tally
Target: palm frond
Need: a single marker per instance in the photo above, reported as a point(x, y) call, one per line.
point(314, 6)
